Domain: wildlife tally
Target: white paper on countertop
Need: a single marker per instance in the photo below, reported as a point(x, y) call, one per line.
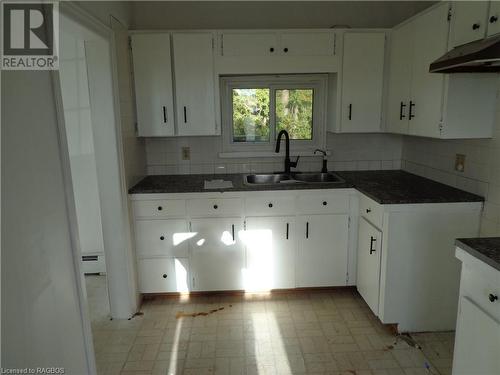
point(218, 184)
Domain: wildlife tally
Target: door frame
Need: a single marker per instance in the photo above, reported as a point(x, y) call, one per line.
point(88, 22)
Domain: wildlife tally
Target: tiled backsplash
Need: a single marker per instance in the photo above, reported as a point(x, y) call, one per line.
point(435, 159)
point(348, 152)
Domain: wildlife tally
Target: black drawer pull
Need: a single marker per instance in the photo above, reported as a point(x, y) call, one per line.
point(270, 205)
point(401, 107)
point(285, 49)
point(164, 114)
point(350, 112)
point(287, 230)
point(232, 231)
point(368, 210)
point(325, 203)
point(410, 112)
point(372, 241)
point(160, 208)
point(271, 49)
point(162, 238)
point(476, 26)
point(215, 207)
point(307, 230)
point(493, 19)
point(185, 115)
point(492, 297)
point(164, 275)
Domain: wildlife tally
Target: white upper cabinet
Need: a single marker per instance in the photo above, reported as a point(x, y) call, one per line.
point(400, 65)
point(313, 43)
point(153, 84)
point(194, 83)
point(362, 81)
point(449, 106)
point(249, 44)
point(494, 18)
point(429, 43)
point(468, 21)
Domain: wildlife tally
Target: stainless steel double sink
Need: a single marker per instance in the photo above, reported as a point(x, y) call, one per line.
point(292, 178)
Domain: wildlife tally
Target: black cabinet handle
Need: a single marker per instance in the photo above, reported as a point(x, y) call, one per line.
point(410, 112)
point(350, 112)
point(372, 241)
point(271, 49)
point(285, 49)
point(476, 26)
point(493, 19)
point(215, 207)
point(232, 231)
point(270, 205)
point(325, 203)
point(185, 114)
point(287, 230)
point(492, 297)
point(368, 210)
point(160, 208)
point(401, 114)
point(307, 230)
point(164, 114)
point(162, 238)
point(164, 275)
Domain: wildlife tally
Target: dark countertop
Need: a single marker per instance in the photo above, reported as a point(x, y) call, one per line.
point(486, 249)
point(385, 187)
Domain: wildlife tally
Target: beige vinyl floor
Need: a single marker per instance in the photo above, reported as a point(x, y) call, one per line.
point(293, 333)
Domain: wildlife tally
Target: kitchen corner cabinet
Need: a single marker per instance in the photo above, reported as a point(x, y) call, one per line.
point(406, 270)
point(477, 338)
point(468, 21)
point(322, 256)
point(174, 68)
point(362, 81)
point(448, 106)
point(154, 94)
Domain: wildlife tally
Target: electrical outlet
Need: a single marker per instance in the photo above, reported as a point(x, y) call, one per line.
point(460, 162)
point(186, 153)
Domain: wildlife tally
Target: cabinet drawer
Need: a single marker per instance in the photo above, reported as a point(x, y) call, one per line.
point(214, 207)
point(160, 208)
point(479, 285)
point(161, 238)
point(163, 275)
point(371, 210)
point(323, 203)
point(270, 206)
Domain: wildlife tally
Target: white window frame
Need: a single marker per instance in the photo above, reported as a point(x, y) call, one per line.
point(317, 82)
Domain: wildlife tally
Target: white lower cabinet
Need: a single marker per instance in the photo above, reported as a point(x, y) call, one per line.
point(270, 253)
point(217, 254)
point(477, 338)
point(160, 275)
point(161, 238)
point(322, 255)
point(368, 271)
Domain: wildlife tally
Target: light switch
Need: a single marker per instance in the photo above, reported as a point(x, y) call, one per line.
point(460, 162)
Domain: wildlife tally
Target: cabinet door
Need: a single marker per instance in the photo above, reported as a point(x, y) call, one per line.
point(194, 83)
point(253, 44)
point(427, 89)
point(321, 43)
point(362, 81)
point(322, 255)
point(217, 255)
point(161, 238)
point(494, 18)
point(162, 275)
point(477, 341)
point(270, 253)
point(153, 84)
point(400, 78)
point(368, 266)
point(468, 21)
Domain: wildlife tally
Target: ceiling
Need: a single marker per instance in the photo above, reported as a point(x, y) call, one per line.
point(270, 14)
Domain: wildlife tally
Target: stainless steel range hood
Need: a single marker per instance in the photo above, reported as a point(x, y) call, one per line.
point(482, 56)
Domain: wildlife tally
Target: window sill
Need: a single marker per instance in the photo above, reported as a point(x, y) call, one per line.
point(265, 154)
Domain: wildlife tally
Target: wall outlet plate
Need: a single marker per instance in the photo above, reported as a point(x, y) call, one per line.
point(186, 153)
point(460, 162)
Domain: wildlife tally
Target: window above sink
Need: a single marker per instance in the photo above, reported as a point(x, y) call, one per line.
point(256, 108)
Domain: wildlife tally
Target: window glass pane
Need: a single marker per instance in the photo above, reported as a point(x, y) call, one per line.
point(294, 112)
point(251, 115)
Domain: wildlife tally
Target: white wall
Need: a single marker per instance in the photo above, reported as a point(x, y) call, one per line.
point(41, 320)
point(271, 14)
point(77, 115)
point(435, 159)
point(349, 152)
point(103, 10)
